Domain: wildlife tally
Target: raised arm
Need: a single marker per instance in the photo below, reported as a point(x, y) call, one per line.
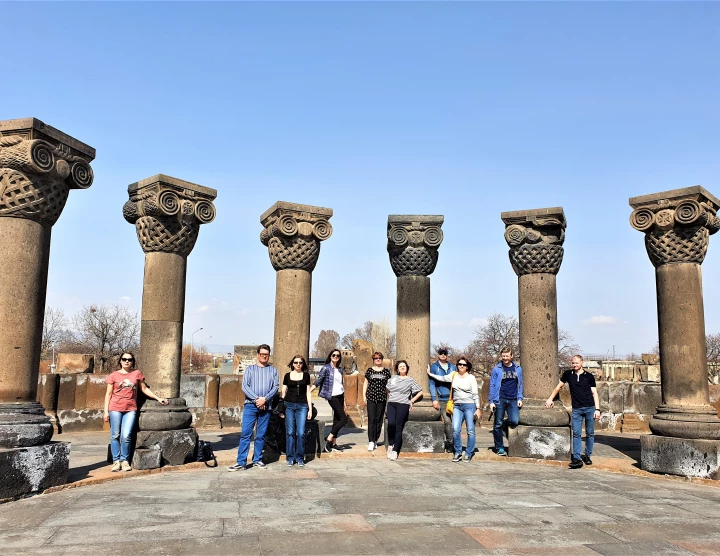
point(549, 402)
point(149, 393)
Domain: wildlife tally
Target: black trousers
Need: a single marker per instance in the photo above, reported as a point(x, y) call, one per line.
point(340, 418)
point(375, 415)
point(397, 414)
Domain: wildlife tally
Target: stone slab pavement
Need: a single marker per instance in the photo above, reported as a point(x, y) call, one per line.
point(370, 505)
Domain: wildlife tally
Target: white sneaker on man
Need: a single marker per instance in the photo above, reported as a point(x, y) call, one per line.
point(371, 446)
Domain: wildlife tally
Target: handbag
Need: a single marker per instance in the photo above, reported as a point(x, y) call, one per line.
point(450, 407)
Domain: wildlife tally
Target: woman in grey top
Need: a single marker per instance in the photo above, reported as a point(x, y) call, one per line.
point(403, 391)
point(465, 396)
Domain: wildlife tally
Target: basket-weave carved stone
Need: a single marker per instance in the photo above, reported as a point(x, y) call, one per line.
point(167, 213)
point(413, 242)
point(292, 233)
point(39, 165)
point(536, 240)
point(677, 224)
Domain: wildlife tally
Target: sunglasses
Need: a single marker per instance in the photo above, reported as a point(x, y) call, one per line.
point(125, 359)
point(335, 355)
point(263, 355)
point(377, 358)
point(442, 352)
point(462, 364)
point(297, 362)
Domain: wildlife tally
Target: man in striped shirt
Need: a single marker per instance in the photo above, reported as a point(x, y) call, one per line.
point(260, 383)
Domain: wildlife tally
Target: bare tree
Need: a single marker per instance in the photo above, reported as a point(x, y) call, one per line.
point(503, 331)
point(362, 333)
point(567, 347)
point(200, 359)
point(327, 340)
point(500, 331)
point(106, 331)
point(378, 333)
point(55, 331)
point(383, 338)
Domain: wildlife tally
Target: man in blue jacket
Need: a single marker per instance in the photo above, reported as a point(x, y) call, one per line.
point(506, 396)
point(440, 393)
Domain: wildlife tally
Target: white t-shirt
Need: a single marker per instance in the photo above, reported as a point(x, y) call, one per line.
point(338, 387)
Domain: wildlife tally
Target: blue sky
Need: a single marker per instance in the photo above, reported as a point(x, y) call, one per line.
point(462, 109)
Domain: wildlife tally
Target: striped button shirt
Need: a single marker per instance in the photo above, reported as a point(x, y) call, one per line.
point(260, 382)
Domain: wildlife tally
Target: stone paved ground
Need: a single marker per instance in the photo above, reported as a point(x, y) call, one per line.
point(371, 506)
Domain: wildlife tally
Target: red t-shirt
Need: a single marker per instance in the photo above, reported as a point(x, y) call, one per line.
point(125, 389)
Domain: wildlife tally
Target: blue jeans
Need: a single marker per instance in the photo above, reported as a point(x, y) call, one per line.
point(464, 412)
point(578, 414)
point(295, 417)
point(121, 427)
point(513, 413)
point(251, 416)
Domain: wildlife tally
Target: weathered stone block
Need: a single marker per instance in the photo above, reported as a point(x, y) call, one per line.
point(156, 417)
point(603, 390)
point(147, 458)
point(646, 397)
point(651, 358)
point(71, 363)
point(230, 416)
point(206, 418)
point(66, 393)
point(231, 394)
point(81, 384)
point(363, 350)
point(350, 384)
point(421, 436)
point(540, 442)
point(79, 420)
point(609, 421)
point(653, 373)
point(680, 456)
point(94, 393)
point(619, 392)
point(192, 389)
point(177, 446)
point(33, 469)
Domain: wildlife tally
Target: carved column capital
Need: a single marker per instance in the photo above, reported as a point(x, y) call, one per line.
point(536, 239)
point(39, 165)
point(167, 213)
point(413, 242)
point(677, 224)
point(292, 233)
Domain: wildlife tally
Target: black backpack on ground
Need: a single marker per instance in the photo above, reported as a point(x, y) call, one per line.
point(205, 453)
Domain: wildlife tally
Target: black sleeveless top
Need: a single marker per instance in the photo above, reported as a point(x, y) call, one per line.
point(296, 389)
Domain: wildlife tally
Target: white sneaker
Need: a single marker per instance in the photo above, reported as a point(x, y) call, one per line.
point(390, 452)
point(371, 446)
point(115, 466)
point(393, 455)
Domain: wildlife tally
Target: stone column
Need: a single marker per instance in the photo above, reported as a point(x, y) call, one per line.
point(677, 225)
point(167, 214)
point(39, 165)
point(413, 242)
point(535, 238)
point(292, 234)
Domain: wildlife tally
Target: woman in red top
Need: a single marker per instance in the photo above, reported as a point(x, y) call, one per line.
point(121, 408)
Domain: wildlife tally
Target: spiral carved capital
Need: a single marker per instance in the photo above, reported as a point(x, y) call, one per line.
point(535, 238)
point(677, 224)
point(413, 243)
point(292, 233)
point(38, 168)
point(168, 212)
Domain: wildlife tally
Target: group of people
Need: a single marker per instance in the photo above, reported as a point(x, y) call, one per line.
point(453, 390)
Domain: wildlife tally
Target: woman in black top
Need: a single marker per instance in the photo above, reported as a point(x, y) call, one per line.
point(296, 393)
point(375, 398)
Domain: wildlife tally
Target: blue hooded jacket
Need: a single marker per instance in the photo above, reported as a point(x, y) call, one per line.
point(496, 380)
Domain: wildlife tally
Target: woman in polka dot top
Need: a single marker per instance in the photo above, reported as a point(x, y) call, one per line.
point(375, 398)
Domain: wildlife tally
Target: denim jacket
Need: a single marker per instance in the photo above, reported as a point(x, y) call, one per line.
point(325, 381)
point(496, 380)
point(440, 390)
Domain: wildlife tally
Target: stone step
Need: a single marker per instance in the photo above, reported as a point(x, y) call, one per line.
point(631, 423)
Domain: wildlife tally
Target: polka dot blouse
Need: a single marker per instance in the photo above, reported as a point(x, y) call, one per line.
point(377, 384)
